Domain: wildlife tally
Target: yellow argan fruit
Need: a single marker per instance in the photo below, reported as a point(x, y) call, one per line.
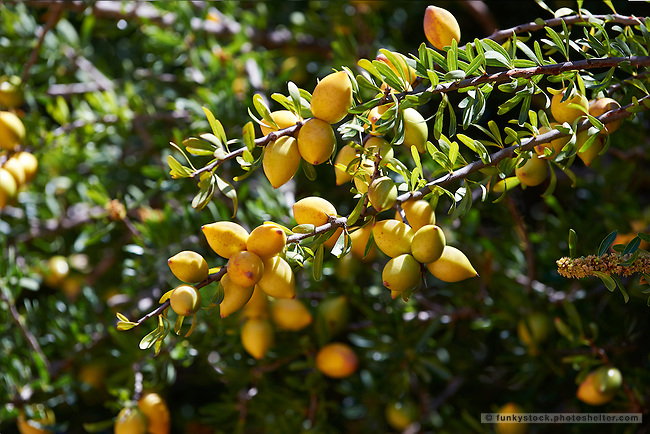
point(332, 97)
point(418, 213)
point(316, 141)
point(331, 241)
point(532, 330)
point(374, 115)
point(440, 27)
point(8, 187)
point(284, 119)
point(344, 157)
point(266, 240)
point(428, 243)
point(333, 314)
point(416, 131)
point(555, 145)
point(225, 238)
point(290, 315)
point(562, 112)
point(337, 360)
point(12, 130)
point(452, 266)
point(11, 92)
point(157, 413)
point(30, 426)
point(281, 160)
point(400, 415)
point(257, 306)
point(363, 175)
point(589, 155)
point(602, 105)
point(56, 271)
point(189, 266)
point(401, 273)
point(257, 336)
point(409, 73)
point(185, 300)
point(382, 193)
point(13, 166)
point(245, 268)
point(313, 210)
point(235, 296)
point(278, 279)
point(131, 420)
point(393, 237)
point(600, 386)
point(510, 409)
point(359, 239)
point(533, 172)
point(506, 184)
point(29, 163)
point(379, 144)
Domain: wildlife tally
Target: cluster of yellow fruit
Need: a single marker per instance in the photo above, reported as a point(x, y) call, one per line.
point(315, 143)
point(150, 415)
point(17, 169)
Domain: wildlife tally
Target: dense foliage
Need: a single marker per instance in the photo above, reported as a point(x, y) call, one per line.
point(114, 90)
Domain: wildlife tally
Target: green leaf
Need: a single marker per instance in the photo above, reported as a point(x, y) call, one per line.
point(150, 339)
point(632, 246)
point(177, 169)
point(198, 147)
point(229, 191)
point(318, 263)
point(606, 243)
point(573, 242)
point(215, 125)
point(356, 212)
point(607, 280)
point(249, 135)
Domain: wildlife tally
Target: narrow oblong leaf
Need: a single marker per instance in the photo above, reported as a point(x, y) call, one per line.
point(318, 262)
point(607, 243)
point(607, 280)
point(573, 241)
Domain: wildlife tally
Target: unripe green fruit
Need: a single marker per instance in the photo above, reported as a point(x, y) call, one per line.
point(562, 112)
point(418, 213)
point(589, 155)
point(440, 27)
point(11, 92)
point(452, 266)
point(290, 314)
point(131, 420)
point(266, 240)
point(235, 296)
point(533, 172)
point(603, 105)
point(278, 279)
point(8, 187)
point(257, 337)
point(189, 266)
point(12, 130)
point(428, 243)
point(393, 237)
point(281, 160)
point(344, 157)
point(382, 193)
point(313, 210)
point(332, 97)
point(225, 238)
point(400, 415)
point(416, 131)
point(608, 379)
point(506, 184)
point(363, 175)
point(185, 300)
point(316, 141)
point(245, 268)
point(401, 273)
point(379, 144)
point(284, 119)
point(600, 386)
point(29, 163)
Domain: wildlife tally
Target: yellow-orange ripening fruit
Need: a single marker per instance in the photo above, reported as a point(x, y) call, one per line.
point(313, 210)
point(157, 413)
point(11, 92)
point(416, 131)
point(418, 213)
point(379, 144)
point(555, 145)
point(588, 155)
point(8, 187)
point(225, 238)
point(382, 193)
point(266, 240)
point(344, 157)
point(400, 415)
point(131, 420)
point(189, 266)
point(257, 337)
point(257, 306)
point(363, 175)
point(185, 300)
point(235, 296)
point(29, 163)
point(533, 172)
point(506, 184)
point(600, 386)
point(333, 313)
point(562, 112)
point(316, 141)
point(332, 97)
point(452, 266)
point(13, 166)
point(393, 237)
point(401, 273)
point(29, 426)
point(510, 409)
point(440, 27)
point(245, 268)
point(278, 279)
point(359, 239)
point(12, 130)
point(290, 315)
point(337, 360)
point(374, 115)
point(603, 105)
point(281, 160)
point(428, 243)
point(284, 119)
